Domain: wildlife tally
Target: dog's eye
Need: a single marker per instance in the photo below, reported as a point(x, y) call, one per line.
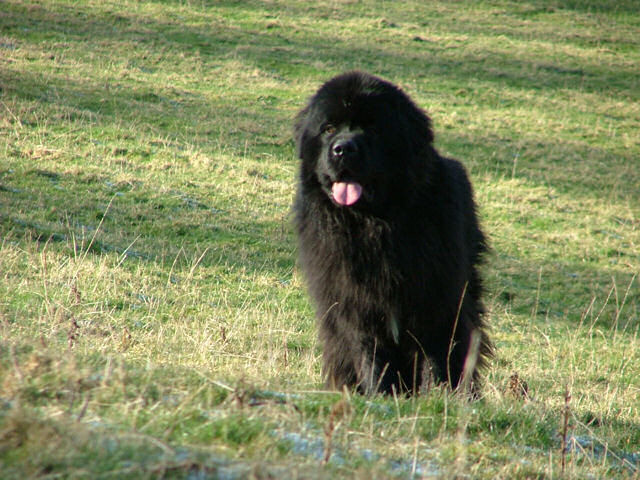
point(329, 129)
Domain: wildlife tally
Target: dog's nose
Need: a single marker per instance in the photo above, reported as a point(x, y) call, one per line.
point(344, 148)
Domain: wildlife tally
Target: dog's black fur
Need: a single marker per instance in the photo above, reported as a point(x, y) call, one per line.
point(394, 274)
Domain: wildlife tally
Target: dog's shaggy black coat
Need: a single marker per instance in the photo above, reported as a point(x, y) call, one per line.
point(389, 242)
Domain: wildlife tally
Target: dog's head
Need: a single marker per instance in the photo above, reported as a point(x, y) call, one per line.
point(359, 138)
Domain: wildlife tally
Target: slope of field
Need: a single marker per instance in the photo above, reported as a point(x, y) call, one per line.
point(153, 322)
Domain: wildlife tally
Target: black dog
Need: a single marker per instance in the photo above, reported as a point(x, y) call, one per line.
point(389, 241)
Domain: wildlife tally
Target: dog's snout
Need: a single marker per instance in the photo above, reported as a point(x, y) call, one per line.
point(343, 148)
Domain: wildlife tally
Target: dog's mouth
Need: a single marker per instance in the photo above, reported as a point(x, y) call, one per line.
point(346, 193)
point(344, 190)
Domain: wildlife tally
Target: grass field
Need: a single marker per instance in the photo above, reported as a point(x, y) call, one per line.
point(153, 321)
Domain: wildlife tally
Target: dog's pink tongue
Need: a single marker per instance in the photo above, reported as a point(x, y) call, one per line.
point(346, 193)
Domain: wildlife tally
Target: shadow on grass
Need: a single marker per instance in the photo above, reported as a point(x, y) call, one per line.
point(291, 53)
point(560, 291)
point(589, 6)
point(287, 54)
point(93, 214)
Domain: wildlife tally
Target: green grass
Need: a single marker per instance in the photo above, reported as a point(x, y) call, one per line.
point(153, 322)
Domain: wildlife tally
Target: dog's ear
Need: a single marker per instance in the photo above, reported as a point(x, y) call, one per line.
point(299, 128)
point(418, 122)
